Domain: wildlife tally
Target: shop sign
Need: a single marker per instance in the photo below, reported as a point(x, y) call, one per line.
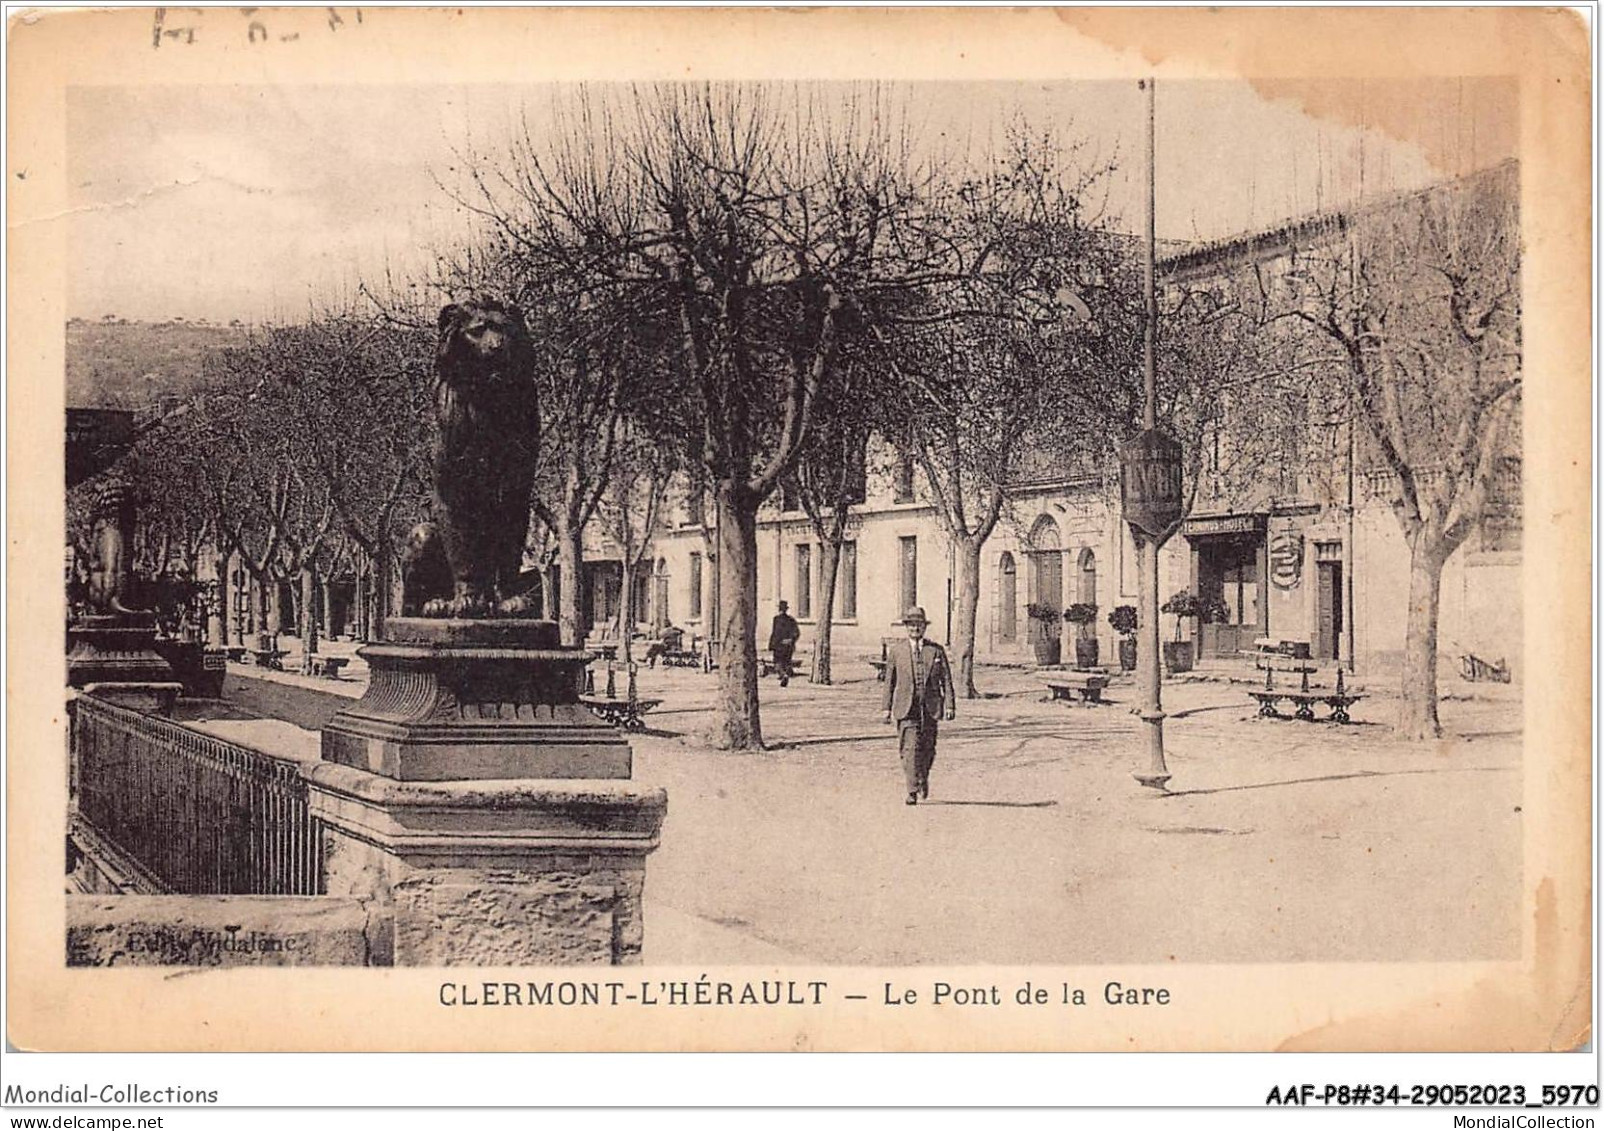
point(1225, 524)
point(1150, 482)
point(1286, 559)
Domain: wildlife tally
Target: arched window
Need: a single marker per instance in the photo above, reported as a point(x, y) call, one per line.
point(1086, 585)
point(1007, 598)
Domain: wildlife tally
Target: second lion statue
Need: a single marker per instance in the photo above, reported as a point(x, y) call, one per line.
point(485, 452)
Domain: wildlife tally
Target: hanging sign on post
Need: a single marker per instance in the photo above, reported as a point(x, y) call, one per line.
point(1150, 482)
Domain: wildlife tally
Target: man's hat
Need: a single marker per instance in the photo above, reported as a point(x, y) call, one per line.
point(915, 615)
point(783, 606)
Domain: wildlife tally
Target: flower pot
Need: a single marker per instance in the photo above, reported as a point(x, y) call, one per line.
point(1127, 653)
point(1178, 656)
point(1046, 651)
point(1086, 652)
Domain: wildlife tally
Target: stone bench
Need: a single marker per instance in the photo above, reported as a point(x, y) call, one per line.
point(1088, 685)
point(270, 658)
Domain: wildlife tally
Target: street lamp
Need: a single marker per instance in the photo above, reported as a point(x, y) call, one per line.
point(1150, 496)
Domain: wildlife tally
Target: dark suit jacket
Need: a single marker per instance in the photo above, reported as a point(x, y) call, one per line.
point(784, 633)
point(936, 694)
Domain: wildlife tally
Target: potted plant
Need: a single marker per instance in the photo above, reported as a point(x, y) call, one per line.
point(180, 606)
point(1123, 621)
point(1045, 638)
point(1178, 654)
point(1083, 616)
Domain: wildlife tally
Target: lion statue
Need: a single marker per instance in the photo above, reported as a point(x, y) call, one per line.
point(484, 466)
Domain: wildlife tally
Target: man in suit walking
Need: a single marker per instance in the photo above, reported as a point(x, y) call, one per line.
point(918, 694)
point(783, 636)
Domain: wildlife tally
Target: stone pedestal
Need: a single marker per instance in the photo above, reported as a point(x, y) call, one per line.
point(474, 796)
point(114, 656)
point(469, 700)
point(501, 872)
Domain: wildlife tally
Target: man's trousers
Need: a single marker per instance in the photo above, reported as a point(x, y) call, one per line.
point(918, 741)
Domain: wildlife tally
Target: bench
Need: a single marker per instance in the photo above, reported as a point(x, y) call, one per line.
point(270, 658)
point(1474, 669)
point(800, 662)
point(328, 666)
point(680, 658)
point(236, 653)
point(625, 713)
point(1304, 697)
point(879, 667)
point(1089, 685)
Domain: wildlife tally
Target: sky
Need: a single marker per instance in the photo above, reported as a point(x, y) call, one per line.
point(258, 203)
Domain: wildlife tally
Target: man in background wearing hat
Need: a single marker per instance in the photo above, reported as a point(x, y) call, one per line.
point(783, 635)
point(918, 693)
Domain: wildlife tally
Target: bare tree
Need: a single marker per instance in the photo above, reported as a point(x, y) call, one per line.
point(1002, 356)
point(1418, 304)
point(739, 231)
point(633, 511)
point(830, 478)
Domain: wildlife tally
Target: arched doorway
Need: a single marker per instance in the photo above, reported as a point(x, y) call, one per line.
point(1007, 598)
point(1046, 576)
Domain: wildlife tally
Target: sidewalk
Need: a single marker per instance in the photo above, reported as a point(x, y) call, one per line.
point(1279, 840)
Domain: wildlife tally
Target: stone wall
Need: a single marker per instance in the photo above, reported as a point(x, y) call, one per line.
point(225, 930)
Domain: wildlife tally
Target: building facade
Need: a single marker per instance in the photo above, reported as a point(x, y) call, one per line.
point(1307, 551)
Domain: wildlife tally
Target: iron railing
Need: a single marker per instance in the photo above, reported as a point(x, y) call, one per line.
point(198, 814)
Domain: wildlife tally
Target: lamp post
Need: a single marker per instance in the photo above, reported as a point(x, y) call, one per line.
point(1150, 494)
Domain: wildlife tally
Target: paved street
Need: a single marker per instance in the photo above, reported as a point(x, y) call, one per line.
point(1279, 841)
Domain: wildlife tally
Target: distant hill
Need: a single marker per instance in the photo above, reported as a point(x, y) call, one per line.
point(135, 364)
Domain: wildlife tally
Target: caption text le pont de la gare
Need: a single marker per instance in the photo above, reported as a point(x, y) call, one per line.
point(785, 992)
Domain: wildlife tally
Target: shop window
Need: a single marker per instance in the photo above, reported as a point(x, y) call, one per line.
point(1007, 598)
point(804, 581)
point(908, 559)
point(847, 581)
point(904, 484)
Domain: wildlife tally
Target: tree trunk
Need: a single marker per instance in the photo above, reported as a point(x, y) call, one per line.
point(273, 604)
point(326, 596)
point(1417, 709)
point(963, 629)
point(626, 606)
point(219, 626)
point(570, 561)
point(738, 726)
point(829, 571)
point(308, 618)
point(393, 581)
point(259, 601)
point(359, 599)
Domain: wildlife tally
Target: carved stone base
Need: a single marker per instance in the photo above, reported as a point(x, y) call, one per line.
point(495, 873)
point(115, 649)
point(451, 700)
